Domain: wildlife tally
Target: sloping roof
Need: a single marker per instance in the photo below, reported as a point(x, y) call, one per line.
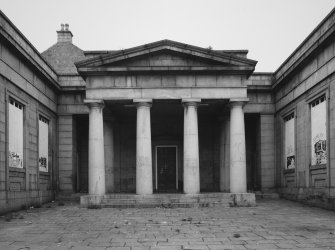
point(62, 56)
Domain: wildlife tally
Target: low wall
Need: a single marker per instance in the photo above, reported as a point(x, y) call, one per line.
point(23, 199)
point(318, 197)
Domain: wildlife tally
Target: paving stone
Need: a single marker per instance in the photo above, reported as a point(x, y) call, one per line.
point(231, 247)
point(194, 247)
point(271, 225)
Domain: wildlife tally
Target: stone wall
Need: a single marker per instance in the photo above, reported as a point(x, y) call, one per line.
point(261, 107)
point(20, 81)
point(70, 106)
point(313, 78)
point(66, 160)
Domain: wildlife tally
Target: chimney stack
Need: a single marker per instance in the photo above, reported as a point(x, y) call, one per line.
point(64, 35)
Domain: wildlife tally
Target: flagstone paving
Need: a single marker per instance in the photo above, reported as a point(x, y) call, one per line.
point(273, 224)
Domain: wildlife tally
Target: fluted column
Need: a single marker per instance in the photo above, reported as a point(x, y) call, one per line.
point(191, 148)
point(143, 148)
point(238, 173)
point(96, 158)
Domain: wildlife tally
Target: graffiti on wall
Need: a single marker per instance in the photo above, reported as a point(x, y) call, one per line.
point(15, 134)
point(43, 143)
point(318, 132)
point(15, 160)
point(320, 150)
point(289, 142)
point(43, 162)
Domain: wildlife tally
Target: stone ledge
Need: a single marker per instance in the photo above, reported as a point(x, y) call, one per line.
point(169, 200)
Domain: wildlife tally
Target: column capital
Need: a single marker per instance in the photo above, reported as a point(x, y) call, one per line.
point(143, 102)
point(238, 101)
point(91, 103)
point(190, 102)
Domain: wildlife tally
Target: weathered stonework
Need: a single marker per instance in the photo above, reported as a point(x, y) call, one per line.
point(195, 96)
point(37, 91)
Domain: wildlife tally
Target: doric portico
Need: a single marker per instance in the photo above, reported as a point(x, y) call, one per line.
point(162, 86)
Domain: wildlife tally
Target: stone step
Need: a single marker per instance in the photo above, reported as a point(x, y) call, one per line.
point(272, 196)
point(169, 200)
point(169, 195)
point(159, 202)
point(68, 197)
point(171, 205)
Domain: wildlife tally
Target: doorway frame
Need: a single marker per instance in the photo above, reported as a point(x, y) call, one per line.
point(166, 146)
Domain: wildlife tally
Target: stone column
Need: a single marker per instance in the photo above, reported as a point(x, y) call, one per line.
point(238, 173)
point(191, 147)
point(96, 158)
point(143, 148)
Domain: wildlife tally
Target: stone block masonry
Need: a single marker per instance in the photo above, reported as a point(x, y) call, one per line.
point(24, 187)
point(66, 137)
point(20, 81)
point(267, 151)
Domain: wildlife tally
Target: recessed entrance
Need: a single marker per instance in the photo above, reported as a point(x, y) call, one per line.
point(166, 169)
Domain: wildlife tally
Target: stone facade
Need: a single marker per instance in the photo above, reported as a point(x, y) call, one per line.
point(221, 125)
point(307, 75)
point(26, 78)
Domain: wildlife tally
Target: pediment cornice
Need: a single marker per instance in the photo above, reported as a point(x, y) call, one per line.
point(115, 62)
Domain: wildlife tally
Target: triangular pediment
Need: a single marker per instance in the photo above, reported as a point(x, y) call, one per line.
point(166, 58)
point(166, 55)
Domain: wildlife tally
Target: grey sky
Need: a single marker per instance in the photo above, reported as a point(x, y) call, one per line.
point(269, 29)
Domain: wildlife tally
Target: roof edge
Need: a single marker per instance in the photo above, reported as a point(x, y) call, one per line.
point(309, 43)
point(165, 42)
point(34, 56)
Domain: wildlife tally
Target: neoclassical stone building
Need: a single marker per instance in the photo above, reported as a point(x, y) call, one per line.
point(164, 118)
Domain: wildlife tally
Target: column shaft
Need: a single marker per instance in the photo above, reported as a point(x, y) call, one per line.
point(143, 150)
point(238, 175)
point(191, 149)
point(96, 158)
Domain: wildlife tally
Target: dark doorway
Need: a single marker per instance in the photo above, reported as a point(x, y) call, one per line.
point(252, 151)
point(81, 151)
point(166, 169)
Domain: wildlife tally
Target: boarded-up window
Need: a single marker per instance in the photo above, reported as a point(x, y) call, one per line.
point(43, 143)
point(318, 131)
point(289, 141)
point(15, 134)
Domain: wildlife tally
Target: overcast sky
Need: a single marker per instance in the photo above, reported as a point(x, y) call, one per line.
point(269, 29)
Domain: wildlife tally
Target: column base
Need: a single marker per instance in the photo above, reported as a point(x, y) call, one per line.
point(91, 201)
point(243, 200)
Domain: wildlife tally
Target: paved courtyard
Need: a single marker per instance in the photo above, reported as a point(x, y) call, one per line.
point(271, 225)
